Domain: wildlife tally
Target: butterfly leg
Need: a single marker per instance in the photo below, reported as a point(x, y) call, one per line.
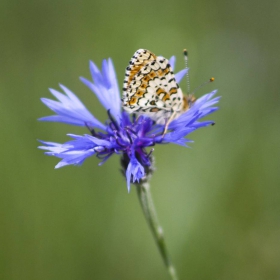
point(171, 118)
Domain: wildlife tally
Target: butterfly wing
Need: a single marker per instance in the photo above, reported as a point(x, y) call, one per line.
point(150, 87)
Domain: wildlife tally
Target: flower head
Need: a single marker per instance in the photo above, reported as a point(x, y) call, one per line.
point(121, 133)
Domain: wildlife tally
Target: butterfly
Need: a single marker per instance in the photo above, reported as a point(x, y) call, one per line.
point(150, 88)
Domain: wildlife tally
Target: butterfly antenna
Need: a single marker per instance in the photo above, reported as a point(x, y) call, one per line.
point(185, 52)
point(207, 82)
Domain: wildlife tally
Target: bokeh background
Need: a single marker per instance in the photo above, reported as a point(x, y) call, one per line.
point(218, 202)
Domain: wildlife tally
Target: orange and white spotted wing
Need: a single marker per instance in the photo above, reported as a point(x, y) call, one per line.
point(150, 87)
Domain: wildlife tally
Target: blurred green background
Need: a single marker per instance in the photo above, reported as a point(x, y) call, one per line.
point(218, 202)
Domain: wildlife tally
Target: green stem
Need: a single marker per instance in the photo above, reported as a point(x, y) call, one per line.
point(145, 198)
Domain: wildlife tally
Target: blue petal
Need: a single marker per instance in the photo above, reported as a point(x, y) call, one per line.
point(134, 169)
point(105, 86)
point(180, 75)
point(52, 147)
point(177, 136)
point(172, 62)
point(77, 150)
point(74, 157)
point(62, 119)
point(70, 110)
point(199, 109)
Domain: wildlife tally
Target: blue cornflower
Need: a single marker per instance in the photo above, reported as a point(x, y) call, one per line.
point(121, 133)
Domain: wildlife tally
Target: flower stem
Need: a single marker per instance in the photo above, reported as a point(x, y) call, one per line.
point(145, 198)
